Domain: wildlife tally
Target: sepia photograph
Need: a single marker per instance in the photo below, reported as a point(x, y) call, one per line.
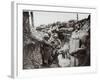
point(54, 39)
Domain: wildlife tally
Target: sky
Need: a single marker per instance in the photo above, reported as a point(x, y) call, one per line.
point(43, 17)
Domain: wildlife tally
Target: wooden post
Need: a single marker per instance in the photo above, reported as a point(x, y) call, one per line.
point(31, 20)
point(77, 17)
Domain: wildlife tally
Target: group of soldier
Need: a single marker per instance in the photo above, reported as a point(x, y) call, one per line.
point(75, 52)
point(55, 48)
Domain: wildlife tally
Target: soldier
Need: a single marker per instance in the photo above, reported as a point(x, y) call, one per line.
point(74, 45)
point(80, 46)
point(56, 45)
point(46, 51)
